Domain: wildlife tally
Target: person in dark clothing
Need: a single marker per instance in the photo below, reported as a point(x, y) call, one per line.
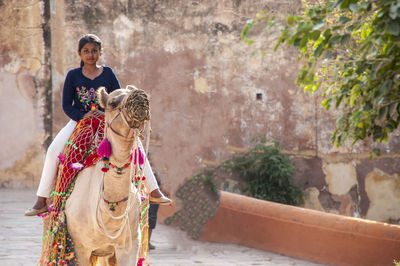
point(153, 210)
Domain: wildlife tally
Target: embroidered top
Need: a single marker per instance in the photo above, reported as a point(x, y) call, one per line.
point(79, 91)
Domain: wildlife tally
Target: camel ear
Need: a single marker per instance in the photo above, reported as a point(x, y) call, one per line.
point(131, 87)
point(102, 95)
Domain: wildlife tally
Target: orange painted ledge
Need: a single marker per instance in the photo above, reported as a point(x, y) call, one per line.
point(303, 233)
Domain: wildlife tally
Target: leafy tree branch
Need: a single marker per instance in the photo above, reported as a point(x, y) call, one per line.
point(350, 50)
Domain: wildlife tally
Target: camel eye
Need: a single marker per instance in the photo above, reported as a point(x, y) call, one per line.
point(113, 103)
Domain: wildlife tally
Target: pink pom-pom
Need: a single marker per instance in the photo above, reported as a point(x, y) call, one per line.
point(140, 262)
point(104, 149)
point(61, 157)
point(141, 157)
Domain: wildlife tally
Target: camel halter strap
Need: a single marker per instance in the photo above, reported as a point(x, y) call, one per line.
point(123, 115)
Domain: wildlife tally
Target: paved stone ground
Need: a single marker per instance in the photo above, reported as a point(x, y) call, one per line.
point(20, 241)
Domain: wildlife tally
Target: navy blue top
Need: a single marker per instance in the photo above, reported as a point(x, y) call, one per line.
point(79, 91)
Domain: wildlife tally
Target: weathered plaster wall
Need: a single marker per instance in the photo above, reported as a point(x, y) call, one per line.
point(21, 59)
point(358, 186)
point(203, 84)
point(383, 191)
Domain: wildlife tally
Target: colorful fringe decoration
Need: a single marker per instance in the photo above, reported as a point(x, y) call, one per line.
point(79, 152)
point(143, 256)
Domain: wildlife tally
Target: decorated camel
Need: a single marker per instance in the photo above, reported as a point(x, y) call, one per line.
point(104, 211)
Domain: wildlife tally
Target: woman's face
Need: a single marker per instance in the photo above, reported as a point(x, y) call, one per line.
point(90, 53)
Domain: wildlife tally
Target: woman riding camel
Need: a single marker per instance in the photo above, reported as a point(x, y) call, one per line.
point(79, 101)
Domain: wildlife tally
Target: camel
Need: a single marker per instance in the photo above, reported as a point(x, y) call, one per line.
point(99, 230)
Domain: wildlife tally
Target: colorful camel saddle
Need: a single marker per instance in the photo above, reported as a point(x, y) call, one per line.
point(80, 151)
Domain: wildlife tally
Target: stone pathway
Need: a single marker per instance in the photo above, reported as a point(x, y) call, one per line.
point(20, 241)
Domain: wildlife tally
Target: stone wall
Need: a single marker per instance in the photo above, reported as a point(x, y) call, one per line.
point(210, 97)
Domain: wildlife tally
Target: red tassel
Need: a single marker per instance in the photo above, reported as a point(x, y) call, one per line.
point(104, 149)
point(104, 169)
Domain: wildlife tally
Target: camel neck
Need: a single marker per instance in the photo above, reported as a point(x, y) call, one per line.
point(117, 181)
point(121, 150)
point(116, 186)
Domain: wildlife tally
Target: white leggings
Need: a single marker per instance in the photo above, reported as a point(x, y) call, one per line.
point(50, 167)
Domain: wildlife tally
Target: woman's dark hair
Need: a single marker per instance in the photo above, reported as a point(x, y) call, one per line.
point(88, 38)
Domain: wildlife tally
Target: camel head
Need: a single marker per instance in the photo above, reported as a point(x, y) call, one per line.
point(125, 109)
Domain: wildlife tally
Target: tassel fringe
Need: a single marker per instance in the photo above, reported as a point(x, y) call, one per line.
point(104, 149)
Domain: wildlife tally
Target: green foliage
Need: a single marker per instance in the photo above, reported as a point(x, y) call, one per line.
point(351, 51)
point(206, 178)
point(267, 173)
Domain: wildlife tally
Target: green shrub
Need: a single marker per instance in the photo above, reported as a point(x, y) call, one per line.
point(268, 174)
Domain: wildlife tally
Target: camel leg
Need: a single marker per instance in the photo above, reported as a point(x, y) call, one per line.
point(110, 260)
point(93, 260)
point(83, 255)
point(125, 258)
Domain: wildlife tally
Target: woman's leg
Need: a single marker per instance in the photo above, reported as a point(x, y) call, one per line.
point(156, 196)
point(148, 172)
point(150, 178)
point(51, 162)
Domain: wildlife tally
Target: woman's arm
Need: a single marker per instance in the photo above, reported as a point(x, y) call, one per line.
point(114, 82)
point(68, 98)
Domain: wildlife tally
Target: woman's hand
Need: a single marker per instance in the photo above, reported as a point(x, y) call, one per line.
point(93, 113)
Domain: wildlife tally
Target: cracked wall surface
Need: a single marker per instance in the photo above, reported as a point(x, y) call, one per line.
point(21, 53)
point(340, 177)
point(383, 191)
point(210, 97)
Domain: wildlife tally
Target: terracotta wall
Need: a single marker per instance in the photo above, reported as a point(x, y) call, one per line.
point(308, 234)
point(203, 83)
